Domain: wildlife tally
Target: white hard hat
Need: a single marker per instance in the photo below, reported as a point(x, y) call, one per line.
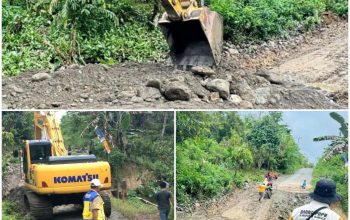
point(96, 182)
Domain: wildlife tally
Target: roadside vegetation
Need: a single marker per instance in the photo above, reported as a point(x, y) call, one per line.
point(220, 151)
point(49, 34)
point(335, 158)
point(142, 147)
point(11, 211)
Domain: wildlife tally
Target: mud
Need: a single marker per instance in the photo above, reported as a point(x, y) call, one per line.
point(243, 203)
point(305, 71)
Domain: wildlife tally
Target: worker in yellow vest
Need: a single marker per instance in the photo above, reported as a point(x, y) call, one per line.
point(93, 203)
point(261, 188)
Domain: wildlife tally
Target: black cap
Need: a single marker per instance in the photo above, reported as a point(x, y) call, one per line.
point(325, 192)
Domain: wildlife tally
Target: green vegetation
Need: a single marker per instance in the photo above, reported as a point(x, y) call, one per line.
point(48, 34)
point(333, 159)
point(326, 169)
point(143, 140)
point(217, 151)
point(16, 126)
point(133, 208)
point(142, 144)
point(11, 211)
point(263, 19)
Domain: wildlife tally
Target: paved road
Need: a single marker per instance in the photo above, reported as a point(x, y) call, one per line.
point(291, 183)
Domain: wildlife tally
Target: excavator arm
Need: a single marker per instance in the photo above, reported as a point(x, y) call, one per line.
point(47, 128)
point(103, 140)
point(179, 9)
point(194, 34)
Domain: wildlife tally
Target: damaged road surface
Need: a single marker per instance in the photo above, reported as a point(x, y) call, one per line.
point(305, 71)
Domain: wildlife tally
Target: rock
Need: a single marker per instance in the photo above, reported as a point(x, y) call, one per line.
point(126, 94)
point(233, 51)
point(235, 99)
point(177, 90)
point(177, 78)
point(4, 106)
point(241, 88)
point(155, 83)
point(262, 95)
point(17, 89)
point(202, 70)
point(136, 99)
point(42, 106)
point(229, 77)
point(272, 77)
point(74, 66)
point(56, 104)
point(84, 95)
point(105, 67)
point(246, 105)
point(150, 93)
point(204, 82)
point(219, 85)
point(40, 77)
point(214, 96)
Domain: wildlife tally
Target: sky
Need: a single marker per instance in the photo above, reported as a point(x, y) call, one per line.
point(306, 125)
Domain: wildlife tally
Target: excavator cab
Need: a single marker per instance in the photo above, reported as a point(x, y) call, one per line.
point(194, 34)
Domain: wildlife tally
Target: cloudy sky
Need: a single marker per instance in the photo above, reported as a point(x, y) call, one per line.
point(306, 125)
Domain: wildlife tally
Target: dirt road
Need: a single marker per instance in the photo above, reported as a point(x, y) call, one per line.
point(71, 212)
point(304, 71)
point(244, 204)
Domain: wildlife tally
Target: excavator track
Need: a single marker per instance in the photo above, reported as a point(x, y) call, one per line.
point(107, 206)
point(40, 207)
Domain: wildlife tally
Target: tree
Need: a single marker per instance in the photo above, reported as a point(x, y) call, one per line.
point(339, 143)
point(265, 140)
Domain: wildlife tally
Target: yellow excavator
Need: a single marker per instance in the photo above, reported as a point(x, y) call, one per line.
point(194, 33)
point(52, 177)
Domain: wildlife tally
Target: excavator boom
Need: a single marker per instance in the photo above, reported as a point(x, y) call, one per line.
point(194, 34)
point(47, 128)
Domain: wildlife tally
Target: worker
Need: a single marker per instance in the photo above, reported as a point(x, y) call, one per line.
point(303, 184)
point(163, 198)
point(262, 189)
point(93, 203)
point(319, 208)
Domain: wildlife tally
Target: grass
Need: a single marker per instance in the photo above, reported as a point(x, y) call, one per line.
point(11, 211)
point(132, 207)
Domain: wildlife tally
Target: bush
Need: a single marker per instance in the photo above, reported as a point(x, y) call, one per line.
point(263, 19)
point(11, 211)
point(325, 169)
point(200, 171)
point(340, 7)
point(35, 40)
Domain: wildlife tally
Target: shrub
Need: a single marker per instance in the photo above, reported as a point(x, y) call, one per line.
point(325, 169)
point(263, 19)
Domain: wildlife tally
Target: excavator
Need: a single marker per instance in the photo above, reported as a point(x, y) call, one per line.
point(194, 33)
point(54, 178)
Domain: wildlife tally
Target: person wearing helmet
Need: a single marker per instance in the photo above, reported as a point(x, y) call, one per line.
point(323, 196)
point(93, 203)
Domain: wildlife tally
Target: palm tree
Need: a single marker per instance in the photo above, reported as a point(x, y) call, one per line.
point(339, 143)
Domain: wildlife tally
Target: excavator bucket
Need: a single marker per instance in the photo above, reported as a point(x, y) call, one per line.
point(196, 40)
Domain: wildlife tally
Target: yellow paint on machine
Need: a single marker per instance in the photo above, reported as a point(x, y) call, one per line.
point(68, 178)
